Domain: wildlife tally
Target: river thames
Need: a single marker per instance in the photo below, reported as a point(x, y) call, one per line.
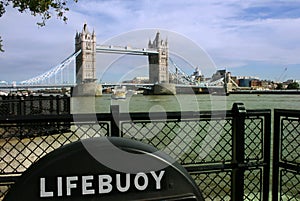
point(168, 103)
point(140, 103)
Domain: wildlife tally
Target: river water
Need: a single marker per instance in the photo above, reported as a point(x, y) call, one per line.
point(151, 103)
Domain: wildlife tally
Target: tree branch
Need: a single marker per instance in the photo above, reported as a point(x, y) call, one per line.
point(42, 8)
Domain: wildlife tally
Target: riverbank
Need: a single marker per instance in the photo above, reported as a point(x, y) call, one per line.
point(184, 102)
point(296, 91)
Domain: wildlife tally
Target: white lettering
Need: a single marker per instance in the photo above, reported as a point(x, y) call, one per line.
point(86, 184)
point(65, 186)
point(59, 186)
point(127, 185)
point(43, 192)
point(70, 185)
point(158, 178)
point(105, 184)
point(136, 181)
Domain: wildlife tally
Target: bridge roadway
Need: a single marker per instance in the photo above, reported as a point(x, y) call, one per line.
point(42, 86)
point(124, 50)
point(53, 86)
point(151, 85)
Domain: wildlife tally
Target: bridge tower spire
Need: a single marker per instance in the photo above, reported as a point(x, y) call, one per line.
point(86, 60)
point(158, 63)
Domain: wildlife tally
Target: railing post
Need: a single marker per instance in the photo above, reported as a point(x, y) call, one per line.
point(41, 104)
point(267, 156)
point(67, 104)
point(31, 109)
point(238, 148)
point(276, 144)
point(12, 107)
point(23, 107)
point(115, 121)
point(20, 108)
point(58, 106)
point(51, 108)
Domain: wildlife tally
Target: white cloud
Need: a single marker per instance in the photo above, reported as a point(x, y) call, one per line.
point(233, 32)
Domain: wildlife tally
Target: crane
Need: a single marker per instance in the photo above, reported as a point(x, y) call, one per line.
point(282, 75)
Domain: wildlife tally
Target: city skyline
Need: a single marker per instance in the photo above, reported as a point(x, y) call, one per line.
point(249, 38)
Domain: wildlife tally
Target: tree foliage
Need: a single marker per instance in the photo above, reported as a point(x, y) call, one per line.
point(279, 86)
point(293, 85)
point(43, 8)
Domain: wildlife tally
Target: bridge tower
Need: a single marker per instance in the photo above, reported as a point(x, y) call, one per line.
point(86, 64)
point(158, 63)
point(86, 60)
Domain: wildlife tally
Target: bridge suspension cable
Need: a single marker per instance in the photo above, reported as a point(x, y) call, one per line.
point(53, 71)
point(180, 75)
point(184, 78)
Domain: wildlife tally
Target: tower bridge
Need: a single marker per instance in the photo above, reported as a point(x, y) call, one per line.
point(82, 75)
point(85, 42)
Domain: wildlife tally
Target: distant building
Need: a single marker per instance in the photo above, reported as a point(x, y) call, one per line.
point(248, 81)
point(248, 77)
point(288, 82)
point(197, 75)
point(3, 82)
point(267, 84)
point(138, 80)
point(255, 83)
point(141, 80)
point(218, 75)
point(245, 82)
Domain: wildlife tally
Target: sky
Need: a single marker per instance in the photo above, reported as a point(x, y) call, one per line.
point(246, 37)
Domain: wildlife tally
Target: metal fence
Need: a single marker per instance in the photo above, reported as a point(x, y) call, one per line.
point(34, 105)
point(226, 152)
point(286, 162)
point(227, 155)
point(27, 139)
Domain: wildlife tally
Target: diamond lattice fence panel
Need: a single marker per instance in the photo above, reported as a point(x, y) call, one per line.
point(188, 141)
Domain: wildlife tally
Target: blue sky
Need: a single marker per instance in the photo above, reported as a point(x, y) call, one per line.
point(247, 37)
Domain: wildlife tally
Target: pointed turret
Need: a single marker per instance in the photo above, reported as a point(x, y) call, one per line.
point(157, 39)
point(149, 43)
point(85, 29)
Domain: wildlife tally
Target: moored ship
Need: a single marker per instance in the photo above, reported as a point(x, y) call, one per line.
point(119, 92)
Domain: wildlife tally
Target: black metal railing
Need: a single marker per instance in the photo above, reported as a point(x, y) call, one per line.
point(34, 105)
point(226, 152)
point(286, 149)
